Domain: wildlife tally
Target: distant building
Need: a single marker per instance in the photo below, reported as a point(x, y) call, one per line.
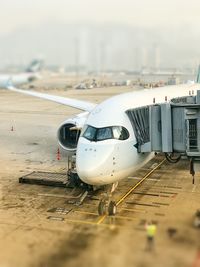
point(173, 80)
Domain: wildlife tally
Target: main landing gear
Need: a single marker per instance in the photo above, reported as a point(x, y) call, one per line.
point(106, 205)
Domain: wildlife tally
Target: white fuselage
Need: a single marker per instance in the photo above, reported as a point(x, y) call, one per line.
point(108, 161)
point(106, 151)
point(16, 79)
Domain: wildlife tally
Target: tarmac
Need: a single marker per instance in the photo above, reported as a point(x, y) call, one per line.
point(39, 227)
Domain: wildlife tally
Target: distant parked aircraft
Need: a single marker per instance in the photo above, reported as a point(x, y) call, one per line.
point(30, 74)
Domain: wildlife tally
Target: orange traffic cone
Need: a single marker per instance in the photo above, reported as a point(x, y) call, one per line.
point(58, 154)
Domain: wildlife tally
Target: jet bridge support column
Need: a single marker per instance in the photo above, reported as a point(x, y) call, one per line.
point(155, 126)
point(166, 129)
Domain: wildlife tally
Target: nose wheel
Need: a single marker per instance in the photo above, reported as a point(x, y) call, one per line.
point(107, 207)
point(102, 207)
point(112, 208)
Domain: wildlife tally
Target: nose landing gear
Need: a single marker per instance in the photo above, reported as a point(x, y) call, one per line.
point(106, 205)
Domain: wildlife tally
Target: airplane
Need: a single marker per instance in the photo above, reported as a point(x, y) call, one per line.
point(102, 136)
point(30, 74)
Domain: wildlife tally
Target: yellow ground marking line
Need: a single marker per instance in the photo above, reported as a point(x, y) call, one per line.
point(125, 217)
point(86, 212)
point(134, 210)
point(132, 189)
point(83, 222)
point(139, 183)
point(108, 225)
point(101, 219)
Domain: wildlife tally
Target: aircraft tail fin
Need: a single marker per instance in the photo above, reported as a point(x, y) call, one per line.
point(35, 65)
point(198, 75)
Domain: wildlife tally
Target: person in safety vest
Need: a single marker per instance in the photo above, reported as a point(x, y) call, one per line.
point(150, 231)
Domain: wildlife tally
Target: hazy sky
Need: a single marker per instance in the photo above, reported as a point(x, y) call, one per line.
point(148, 13)
point(164, 29)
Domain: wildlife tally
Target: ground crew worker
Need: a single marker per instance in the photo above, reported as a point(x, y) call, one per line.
point(150, 231)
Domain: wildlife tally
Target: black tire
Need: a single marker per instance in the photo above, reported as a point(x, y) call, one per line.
point(112, 208)
point(102, 207)
point(173, 157)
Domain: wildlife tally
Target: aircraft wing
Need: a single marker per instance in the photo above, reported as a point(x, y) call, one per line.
point(79, 104)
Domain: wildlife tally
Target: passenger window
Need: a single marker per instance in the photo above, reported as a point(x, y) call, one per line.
point(104, 133)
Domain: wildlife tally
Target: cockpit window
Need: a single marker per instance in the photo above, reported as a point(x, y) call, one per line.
point(120, 133)
point(90, 133)
point(99, 134)
point(104, 133)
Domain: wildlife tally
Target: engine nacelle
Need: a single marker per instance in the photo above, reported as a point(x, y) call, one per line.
point(69, 132)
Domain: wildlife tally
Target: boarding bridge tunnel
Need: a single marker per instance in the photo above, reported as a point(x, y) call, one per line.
point(172, 127)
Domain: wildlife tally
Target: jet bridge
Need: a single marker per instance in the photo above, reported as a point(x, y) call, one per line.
point(171, 127)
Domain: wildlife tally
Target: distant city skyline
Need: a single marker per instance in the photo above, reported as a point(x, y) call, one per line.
point(99, 48)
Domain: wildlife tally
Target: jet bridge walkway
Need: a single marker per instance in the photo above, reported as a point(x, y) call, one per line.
point(171, 127)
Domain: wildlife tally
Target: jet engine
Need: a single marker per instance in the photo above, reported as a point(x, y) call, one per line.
point(69, 132)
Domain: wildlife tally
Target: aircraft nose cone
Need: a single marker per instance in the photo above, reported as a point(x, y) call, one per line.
point(92, 163)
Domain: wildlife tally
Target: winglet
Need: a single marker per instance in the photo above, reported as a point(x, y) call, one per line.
point(198, 75)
